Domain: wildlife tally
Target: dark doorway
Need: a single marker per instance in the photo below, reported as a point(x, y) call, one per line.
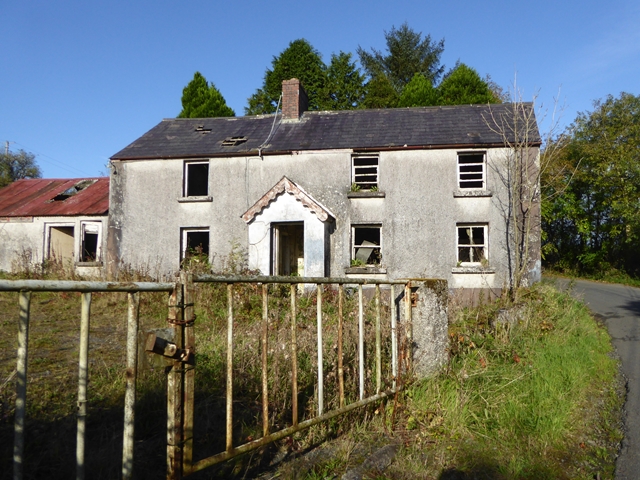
point(287, 249)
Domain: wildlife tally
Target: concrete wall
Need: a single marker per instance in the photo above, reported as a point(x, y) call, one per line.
point(26, 239)
point(418, 206)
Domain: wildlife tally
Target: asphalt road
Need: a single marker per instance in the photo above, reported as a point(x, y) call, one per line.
point(619, 306)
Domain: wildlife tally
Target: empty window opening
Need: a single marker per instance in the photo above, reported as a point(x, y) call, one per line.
point(367, 246)
point(233, 141)
point(365, 172)
point(472, 244)
point(195, 243)
point(287, 249)
point(90, 248)
point(70, 192)
point(196, 179)
point(471, 170)
point(61, 243)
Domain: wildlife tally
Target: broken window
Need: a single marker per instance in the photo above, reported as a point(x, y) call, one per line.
point(364, 172)
point(61, 244)
point(471, 170)
point(195, 243)
point(196, 179)
point(91, 242)
point(472, 244)
point(366, 245)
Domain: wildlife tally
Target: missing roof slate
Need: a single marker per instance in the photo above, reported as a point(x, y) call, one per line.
point(233, 141)
point(202, 129)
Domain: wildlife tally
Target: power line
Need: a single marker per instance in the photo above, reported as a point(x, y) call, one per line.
point(52, 160)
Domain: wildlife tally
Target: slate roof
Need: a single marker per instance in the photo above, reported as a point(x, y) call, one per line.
point(35, 197)
point(457, 126)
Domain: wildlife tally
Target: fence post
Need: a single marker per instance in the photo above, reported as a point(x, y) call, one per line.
point(175, 389)
point(408, 325)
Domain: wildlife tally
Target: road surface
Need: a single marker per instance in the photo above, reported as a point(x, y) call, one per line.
point(619, 307)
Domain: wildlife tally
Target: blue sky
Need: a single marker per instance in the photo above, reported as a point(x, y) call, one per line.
point(80, 80)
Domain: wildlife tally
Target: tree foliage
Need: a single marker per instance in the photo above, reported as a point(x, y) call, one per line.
point(463, 86)
point(419, 92)
point(592, 217)
point(299, 60)
point(14, 166)
point(408, 53)
point(344, 84)
point(201, 99)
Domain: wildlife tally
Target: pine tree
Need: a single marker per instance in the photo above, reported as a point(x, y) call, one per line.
point(201, 99)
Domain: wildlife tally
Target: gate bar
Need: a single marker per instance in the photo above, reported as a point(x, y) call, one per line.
point(21, 386)
point(361, 341)
point(82, 286)
point(265, 385)
point(83, 376)
point(131, 374)
point(394, 337)
point(320, 366)
point(378, 343)
point(340, 340)
point(294, 357)
point(229, 367)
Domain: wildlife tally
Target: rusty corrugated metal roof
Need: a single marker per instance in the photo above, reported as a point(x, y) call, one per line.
point(52, 197)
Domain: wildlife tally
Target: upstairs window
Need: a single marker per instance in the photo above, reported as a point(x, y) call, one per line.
point(366, 249)
point(364, 172)
point(196, 179)
point(471, 170)
point(472, 244)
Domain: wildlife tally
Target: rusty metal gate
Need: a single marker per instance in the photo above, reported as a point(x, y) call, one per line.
point(180, 351)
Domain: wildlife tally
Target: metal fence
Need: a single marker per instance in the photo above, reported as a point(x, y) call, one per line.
point(180, 351)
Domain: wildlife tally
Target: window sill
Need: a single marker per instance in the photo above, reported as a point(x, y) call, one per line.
point(473, 269)
point(194, 199)
point(365, 194)
point(88, 264)
point(472, 193)
point(364, 270)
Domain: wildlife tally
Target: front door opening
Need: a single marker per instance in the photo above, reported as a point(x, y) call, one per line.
point(287, 249)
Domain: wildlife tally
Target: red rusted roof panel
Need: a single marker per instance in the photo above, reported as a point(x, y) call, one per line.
point(35, 197)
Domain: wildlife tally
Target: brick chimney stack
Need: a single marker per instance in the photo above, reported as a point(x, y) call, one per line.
point(294, 99)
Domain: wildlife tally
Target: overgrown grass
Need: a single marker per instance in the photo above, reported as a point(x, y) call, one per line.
point(531, 392)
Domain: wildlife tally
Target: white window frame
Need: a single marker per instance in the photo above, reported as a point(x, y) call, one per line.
point(47, 240)
point(484, 258)
point(85, 227)
point(186, 174)
point(361, 175)
point(470, 173)
point(184, 232)
point(355, 248)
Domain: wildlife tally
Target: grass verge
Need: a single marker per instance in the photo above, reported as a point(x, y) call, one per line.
point(532, 391)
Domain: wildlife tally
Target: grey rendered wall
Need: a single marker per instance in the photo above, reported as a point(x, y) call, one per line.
point(418, 213)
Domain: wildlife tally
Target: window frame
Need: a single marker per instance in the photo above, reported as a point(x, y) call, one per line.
point(484, 260)
point(363, 184)
point(465, 183)
point(83, 231)
point(186, 175)
point(355, 247)
point(184, 233)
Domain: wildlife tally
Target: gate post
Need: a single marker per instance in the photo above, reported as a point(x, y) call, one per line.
point(175, 389)
point(188, 337)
